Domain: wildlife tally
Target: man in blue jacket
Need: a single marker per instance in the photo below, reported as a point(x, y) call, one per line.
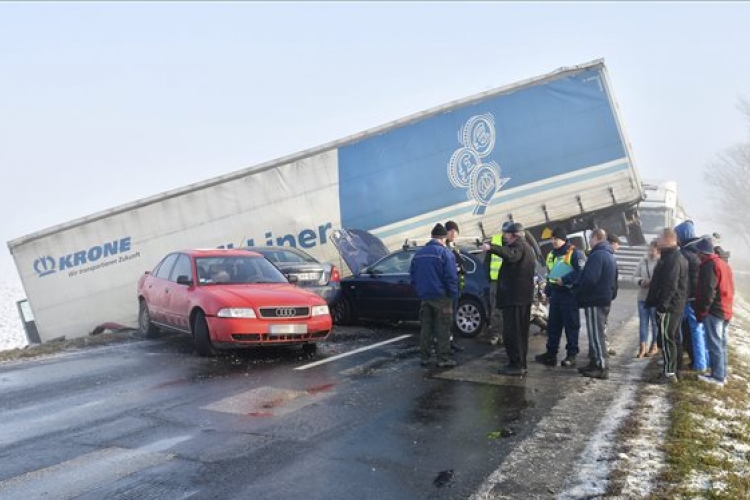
point(435, 278)
point(564, 263)
point(692, 332)
point(594, 293)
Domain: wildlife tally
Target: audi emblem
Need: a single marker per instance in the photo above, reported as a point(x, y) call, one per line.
point(286, 312)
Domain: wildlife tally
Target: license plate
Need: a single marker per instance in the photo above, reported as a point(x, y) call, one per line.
point(287, 329)
point(308, 276)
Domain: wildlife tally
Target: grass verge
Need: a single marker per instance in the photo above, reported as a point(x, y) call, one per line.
point(708, 442)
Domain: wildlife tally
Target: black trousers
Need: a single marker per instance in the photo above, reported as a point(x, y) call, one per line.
point(516, 323)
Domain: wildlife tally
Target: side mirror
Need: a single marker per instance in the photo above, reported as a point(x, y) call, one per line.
point(292, 278)
point(184, 280)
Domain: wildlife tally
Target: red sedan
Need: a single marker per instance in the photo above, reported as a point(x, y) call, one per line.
point(228, 299)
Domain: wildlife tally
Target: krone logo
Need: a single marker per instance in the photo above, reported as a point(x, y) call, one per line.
point(44, 266)
point(468, 167)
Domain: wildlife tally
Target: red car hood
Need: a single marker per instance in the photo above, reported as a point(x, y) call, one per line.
point(262, 295)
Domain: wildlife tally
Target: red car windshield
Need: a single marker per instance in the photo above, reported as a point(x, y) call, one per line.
point(236, 270)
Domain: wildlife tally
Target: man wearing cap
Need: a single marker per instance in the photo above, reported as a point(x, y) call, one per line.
point(594, 291)
point(564, 264)
point(435, 279)
point(515, 294)
point(452, 228)
point(668, 293)
point(713, 306)
point(494, 264)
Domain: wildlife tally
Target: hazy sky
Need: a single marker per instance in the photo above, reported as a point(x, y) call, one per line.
point(101, 104)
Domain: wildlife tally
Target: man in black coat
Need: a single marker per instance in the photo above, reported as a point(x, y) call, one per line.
point(515, 294)
point(668, 293)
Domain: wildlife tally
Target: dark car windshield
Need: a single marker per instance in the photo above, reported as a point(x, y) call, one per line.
point(284, 255)
point(236, 270)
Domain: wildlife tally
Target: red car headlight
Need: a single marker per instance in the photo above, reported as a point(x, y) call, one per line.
point(236, 312)
point(319, 311)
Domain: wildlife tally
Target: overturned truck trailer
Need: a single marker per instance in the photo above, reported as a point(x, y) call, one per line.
point(547, 149)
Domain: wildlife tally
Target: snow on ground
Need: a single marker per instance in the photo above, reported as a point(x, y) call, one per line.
point(645, 460)
point(12, 334)
point(596, 463)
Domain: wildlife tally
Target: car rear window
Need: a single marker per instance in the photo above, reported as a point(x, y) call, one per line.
point(286, 256)
point(236, 270)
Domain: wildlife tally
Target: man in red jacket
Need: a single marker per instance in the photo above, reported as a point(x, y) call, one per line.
point(713, 306)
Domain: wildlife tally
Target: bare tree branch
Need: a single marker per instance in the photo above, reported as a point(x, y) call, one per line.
point(729, 174)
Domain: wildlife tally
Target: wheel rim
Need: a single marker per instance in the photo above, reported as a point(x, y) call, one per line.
point(468, 318)
point(340, 311)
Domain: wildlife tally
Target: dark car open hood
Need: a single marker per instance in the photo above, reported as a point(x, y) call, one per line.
point(358, 248)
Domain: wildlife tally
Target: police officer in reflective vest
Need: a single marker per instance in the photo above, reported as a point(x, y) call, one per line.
point(564, 263)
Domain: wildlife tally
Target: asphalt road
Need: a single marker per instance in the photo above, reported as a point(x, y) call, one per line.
point(150, 419)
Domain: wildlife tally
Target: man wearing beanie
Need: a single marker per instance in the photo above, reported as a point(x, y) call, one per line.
point(452, 228)
point(713, 306)
point(515, 294)
point(435, 279)
point(564, 263)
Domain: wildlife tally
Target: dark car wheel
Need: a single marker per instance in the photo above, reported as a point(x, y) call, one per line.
point(202, 337)
point(469, 317)
point(145, 326)
point(343, 312)
point(309, 348)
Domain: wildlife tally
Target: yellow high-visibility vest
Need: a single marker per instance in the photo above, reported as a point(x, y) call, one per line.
point(560, 266)
point(496, 262)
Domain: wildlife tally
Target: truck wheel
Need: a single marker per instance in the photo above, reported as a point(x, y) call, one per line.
point(145, 326)
point(202, 337)
point(469, 318)
point(343, 312)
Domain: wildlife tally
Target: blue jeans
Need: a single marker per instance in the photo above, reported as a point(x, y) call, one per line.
point(647, 315)
point(716, 340)
point(697, 339)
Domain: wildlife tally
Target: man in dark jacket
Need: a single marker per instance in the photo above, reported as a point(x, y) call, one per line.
point(564, 263)
point(714, 302)
point(693, 334)
point(668, 294)
point(594, 293)
point(450, 243)
point(434, 277)
point(515, 294)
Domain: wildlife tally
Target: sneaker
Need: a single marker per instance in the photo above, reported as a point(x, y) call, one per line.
point(600, 373)
point(664, 379)
point(710, 380)
point(447, 364)
point(611, 351)
point(546, 358)
point(512, 371)
point(568, 362)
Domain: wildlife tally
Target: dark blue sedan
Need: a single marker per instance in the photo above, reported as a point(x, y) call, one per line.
point(381, 287)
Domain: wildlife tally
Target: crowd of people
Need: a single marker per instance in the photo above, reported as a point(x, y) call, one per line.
point(684, 300)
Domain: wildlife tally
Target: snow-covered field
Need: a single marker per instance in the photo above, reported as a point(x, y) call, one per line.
point(12, 334)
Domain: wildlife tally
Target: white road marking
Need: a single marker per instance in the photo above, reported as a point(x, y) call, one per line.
point(351, 353)
point(75, 477)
